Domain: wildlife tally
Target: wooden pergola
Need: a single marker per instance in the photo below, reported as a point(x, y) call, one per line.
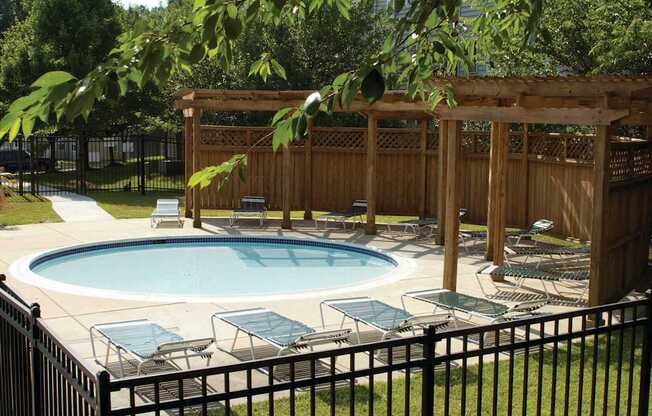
point(602, 101)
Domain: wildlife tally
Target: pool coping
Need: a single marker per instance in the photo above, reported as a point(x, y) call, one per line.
point(21, 270)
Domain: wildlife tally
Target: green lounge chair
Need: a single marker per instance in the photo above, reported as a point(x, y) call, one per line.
point(146, 342)
point(386, 319)
point(473, 306)
point(522, 273)
point(358, 210)
point(250, 207)
point(284, 334)
point(541, 251)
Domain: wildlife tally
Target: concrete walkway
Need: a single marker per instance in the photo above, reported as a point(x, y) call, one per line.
point(73, 207)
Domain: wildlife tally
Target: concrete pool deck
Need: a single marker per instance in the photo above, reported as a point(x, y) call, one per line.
point(71, 316)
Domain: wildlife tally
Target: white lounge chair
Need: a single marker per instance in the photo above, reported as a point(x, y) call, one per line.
point(146, 342)
point(166, 210)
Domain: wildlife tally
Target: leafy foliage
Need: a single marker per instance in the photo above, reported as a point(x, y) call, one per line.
point(583, 37)
point(427, 38)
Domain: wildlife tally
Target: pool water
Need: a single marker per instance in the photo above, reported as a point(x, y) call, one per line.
point(216, 268)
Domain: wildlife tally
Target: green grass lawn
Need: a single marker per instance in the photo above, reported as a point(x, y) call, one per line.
point(533, 374)
point(27, 210)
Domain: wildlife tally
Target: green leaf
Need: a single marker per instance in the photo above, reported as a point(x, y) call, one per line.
point(282, 134)
point(373, 86)
point(349, 91)
point(15, 128)
point(52, 78)
point(6, 122)
point(340, 80)
point(280, 114)
point(28, 125)
point(232, 11)
point(280, 71)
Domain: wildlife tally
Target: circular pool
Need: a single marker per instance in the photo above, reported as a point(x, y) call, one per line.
point(211, 268)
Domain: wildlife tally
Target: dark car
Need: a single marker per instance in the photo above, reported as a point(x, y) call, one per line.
point(10, 160)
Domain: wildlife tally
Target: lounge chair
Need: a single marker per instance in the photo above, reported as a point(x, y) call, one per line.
point(146, 342)
point(284, 334)
point(250, 207)
point(417, 227)
point(386, 319)
point(544, 250)
point(358, 209)
point(521, 273)
point(537, 228)
point(166, 210)
point(473, 306)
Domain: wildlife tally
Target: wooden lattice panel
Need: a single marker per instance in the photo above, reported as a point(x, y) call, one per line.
point(516, 142)
point(619, 165)
point(433, 140)
point(223, 137)
point(259, 134)
point(475, 142)
point(398, 140)
point(579, 148)
point(630, 161)
point(341, 139)
point(546, 148)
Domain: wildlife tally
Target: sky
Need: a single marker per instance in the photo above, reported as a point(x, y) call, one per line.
point(146, 3)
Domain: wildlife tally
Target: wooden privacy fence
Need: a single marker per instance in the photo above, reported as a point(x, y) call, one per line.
point(548, 175)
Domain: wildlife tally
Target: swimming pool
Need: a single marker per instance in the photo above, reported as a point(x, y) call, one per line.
point(211, 268)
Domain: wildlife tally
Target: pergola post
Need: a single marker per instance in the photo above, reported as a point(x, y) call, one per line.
point(196, 193)
point(307, 173)
point(372, 125)
point(452, 227)
point(525, 166)
point(441, 180)
point(286, 224)
point(188, 161)
point(421, 180)
point(491, 197)
point(500, 219)
point(599, 280)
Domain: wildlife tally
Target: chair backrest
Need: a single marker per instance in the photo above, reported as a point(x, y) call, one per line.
point(253, 203)
point(167, 204)
point(463, 212)
point(359, 206)
point(541, 226)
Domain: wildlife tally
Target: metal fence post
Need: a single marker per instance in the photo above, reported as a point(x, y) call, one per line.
point(644, 389)
point(36, 361)
point(83, 163)
point(33, 187)
point(103, 393)
point(21, 178)
point(428, 373)
point(142, 164)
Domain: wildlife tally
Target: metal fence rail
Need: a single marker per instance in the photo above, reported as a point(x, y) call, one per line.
point(46, 165)
point(38, 374)
point(592, 361)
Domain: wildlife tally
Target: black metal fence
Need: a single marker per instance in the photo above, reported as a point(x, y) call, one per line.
point(593, 361)
point(43, 165)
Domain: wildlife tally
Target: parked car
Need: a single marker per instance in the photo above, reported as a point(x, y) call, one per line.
point(10, 160)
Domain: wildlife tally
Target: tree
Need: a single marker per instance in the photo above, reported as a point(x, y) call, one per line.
point(10, 12)
point(427, 38)
point(583, 37)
